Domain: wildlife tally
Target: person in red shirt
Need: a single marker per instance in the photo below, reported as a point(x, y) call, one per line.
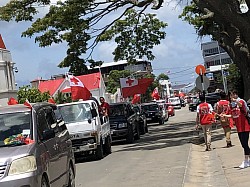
point(205, 118)
point(238, 113)
point(104, 106)
point(223, 108)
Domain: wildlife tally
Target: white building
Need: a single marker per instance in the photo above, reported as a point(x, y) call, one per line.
point(7, 83)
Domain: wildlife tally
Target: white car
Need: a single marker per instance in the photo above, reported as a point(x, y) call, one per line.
point(175, 102)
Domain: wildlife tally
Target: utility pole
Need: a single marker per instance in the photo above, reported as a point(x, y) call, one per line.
point(222, 72)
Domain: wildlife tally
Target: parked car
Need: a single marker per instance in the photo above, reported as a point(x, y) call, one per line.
point(141, 119)
point(89, 131)
point(175, 102)
point(163, 107)
point(153, 113)
point(123, 122)
point(35, 147)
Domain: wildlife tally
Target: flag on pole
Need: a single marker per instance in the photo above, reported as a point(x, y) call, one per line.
point(155, 95)
point(136, 99)
point(130, 87)
point(78, 90)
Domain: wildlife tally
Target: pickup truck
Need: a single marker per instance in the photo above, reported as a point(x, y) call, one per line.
point(89, 131)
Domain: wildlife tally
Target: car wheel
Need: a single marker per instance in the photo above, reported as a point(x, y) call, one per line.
point(137, 136)
point(130, 135)
point(44, 182)
point(71, 182)
point(99, 151)
point(160, 122)
point(108, 149)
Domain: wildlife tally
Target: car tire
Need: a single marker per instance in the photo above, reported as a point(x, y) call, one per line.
point(108, 149)
point(138, 135)
point(99, 151)
point(71, 180)
point(161, 121)
point(130, 136)
point(44, 182)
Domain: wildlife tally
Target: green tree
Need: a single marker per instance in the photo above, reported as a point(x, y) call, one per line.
point(234, 79)
point(81, 23)
point(136, 35)
point(32, 94)
point(227, 24)
point(62, 98)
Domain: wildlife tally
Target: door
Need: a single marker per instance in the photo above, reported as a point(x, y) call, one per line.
point(50, 145)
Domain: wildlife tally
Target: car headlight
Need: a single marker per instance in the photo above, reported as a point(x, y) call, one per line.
point(23, 165)
point(122, 125)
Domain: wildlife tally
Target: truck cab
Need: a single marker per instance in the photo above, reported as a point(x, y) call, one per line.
point(88, 129)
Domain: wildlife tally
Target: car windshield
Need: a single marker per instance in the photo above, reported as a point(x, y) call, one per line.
point(172, 100)
point(75, 112)
point(117, 110)
point(150, 107)
point(15, 128)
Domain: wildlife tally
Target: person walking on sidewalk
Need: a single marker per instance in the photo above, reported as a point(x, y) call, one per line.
point(223, 108)
point(238, 111)
point(204, 118)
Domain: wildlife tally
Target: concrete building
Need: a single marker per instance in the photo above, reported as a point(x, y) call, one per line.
point(216, 61)
point(7, 83)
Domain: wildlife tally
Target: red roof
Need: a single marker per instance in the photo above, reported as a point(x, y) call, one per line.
point(50, 85)
point(2, 45)
point(90, 81)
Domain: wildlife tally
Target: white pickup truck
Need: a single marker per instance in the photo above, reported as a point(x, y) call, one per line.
point(89, 131)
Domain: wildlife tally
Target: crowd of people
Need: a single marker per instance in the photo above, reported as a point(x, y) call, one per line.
point(229, 111)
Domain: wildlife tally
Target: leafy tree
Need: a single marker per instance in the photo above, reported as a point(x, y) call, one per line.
point(62, 98)
point(135, 35)
point(81, 24)
point(227, 24)
point(234, 79)
point(32, 94)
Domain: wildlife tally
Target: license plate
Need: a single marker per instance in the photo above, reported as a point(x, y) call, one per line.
point(149, 118)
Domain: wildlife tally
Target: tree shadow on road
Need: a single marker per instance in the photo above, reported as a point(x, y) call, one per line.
point(168, 135)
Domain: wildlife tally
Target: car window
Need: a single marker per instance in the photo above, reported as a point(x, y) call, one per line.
point(117, 110)
point(15, 128)
point(150, 107)
point(43, 125)
point(75, 112)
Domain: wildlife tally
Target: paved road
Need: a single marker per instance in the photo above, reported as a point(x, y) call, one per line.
point(159, 159)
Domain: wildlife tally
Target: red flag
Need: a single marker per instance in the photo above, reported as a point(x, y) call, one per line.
point(136, 98)
point(12, 101)
point(130, 87)
point(155, 95)
point(78, 90)
point(51, 100)
point(27, 103)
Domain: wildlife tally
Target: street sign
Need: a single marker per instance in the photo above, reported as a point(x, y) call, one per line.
point(200, 69)
point(199, 83)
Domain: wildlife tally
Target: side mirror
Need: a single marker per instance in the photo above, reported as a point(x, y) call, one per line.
point(93, 113)
point(89, 121)
point(48, 134)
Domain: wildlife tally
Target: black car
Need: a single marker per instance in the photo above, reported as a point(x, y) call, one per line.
point(141, 119)
point(153, 113)
point(123, 122)
point(193, 104)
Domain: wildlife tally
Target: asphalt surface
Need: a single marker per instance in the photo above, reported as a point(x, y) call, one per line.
point(170, 155)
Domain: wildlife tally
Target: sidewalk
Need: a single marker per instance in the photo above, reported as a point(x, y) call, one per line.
point(219, 167)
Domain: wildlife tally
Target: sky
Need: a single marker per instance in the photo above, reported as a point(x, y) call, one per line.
point(176, 56)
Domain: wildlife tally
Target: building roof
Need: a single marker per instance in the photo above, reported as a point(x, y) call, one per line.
point(90, 81)
point(2, 45)
point(109, 64)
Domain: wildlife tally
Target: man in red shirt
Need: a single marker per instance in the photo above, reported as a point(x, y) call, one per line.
point(104, 106)
point(205, 118)
point(222, 109)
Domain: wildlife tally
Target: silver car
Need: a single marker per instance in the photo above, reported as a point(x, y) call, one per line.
point(35, 148)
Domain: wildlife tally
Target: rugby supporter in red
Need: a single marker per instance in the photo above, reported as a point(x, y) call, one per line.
point(104, 106)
